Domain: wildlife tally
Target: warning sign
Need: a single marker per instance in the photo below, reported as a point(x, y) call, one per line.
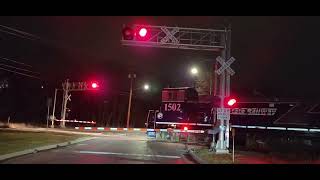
point(223, 113)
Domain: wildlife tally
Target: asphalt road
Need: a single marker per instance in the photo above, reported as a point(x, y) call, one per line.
point(116, 149)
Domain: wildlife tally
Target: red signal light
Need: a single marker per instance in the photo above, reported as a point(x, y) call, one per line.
point(231, 102)
point(94, 85)
point(185, 128)
point(136, 33)
point(143, 32)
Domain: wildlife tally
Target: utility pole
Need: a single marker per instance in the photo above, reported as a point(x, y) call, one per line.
point(49, 102)
point(54, 108)
point(131, 77)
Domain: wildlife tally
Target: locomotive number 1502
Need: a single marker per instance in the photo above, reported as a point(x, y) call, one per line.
point(172, 107)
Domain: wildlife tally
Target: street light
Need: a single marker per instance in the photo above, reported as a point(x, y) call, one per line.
point(146, 87)
point(194, 71)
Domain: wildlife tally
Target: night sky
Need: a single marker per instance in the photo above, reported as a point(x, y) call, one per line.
point(278, 56)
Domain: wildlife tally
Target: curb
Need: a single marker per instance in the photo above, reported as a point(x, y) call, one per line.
point(196, 158)
point(42, 148)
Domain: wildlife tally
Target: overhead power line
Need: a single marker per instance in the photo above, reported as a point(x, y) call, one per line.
point(1, 64)
point(17, 62)
point(21, 32)
point(18, 35)
point(23, 74)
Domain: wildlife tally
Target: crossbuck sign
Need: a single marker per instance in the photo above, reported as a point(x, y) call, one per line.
point(225, 65)
point(169, 35)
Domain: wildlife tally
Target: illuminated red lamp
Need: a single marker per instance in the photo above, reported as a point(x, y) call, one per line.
point(185, 128)
point(231, 102)
point(94, 85)
point(143, 32)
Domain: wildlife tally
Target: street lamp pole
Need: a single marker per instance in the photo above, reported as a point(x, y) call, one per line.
point(131, 77)
point(48, 111)
point(194, 73)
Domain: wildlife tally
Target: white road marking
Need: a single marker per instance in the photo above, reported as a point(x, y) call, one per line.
point(314, 130)
point(82, 144)
point(126, 154)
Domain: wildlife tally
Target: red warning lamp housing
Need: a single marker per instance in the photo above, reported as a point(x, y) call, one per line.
point(139, 33)
point(128, 33)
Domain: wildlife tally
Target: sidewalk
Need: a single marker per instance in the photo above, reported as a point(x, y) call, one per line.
point(202, 155)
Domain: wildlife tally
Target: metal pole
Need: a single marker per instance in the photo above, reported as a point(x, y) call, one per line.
point(66, 92)
point(147, 120)
point(228, 56)
point(62, 103)
point(233, 139)
point(233, 149)
point(221, 143)
point(103, 116)
point(48, 116)
point(65, 108)
point(62, 108)
point(227, 132)
point(210, 82)
point(54, 108)
point(155, 119)
point(215, 83)
point(129, 106)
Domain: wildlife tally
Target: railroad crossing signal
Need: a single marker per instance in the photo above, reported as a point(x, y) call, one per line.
point(225, 65)
point(80, 86)
point(73, 86)
point(218, 40)
point(173, 37)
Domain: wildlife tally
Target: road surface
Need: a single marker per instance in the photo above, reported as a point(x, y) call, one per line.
point(115, 149)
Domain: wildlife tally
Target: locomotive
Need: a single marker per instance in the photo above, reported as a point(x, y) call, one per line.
point(181, 107)
point(260, 119)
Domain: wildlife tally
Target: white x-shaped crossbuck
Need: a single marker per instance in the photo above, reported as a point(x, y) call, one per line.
point(225, 65)
point(169, 35)
point(69, 97)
